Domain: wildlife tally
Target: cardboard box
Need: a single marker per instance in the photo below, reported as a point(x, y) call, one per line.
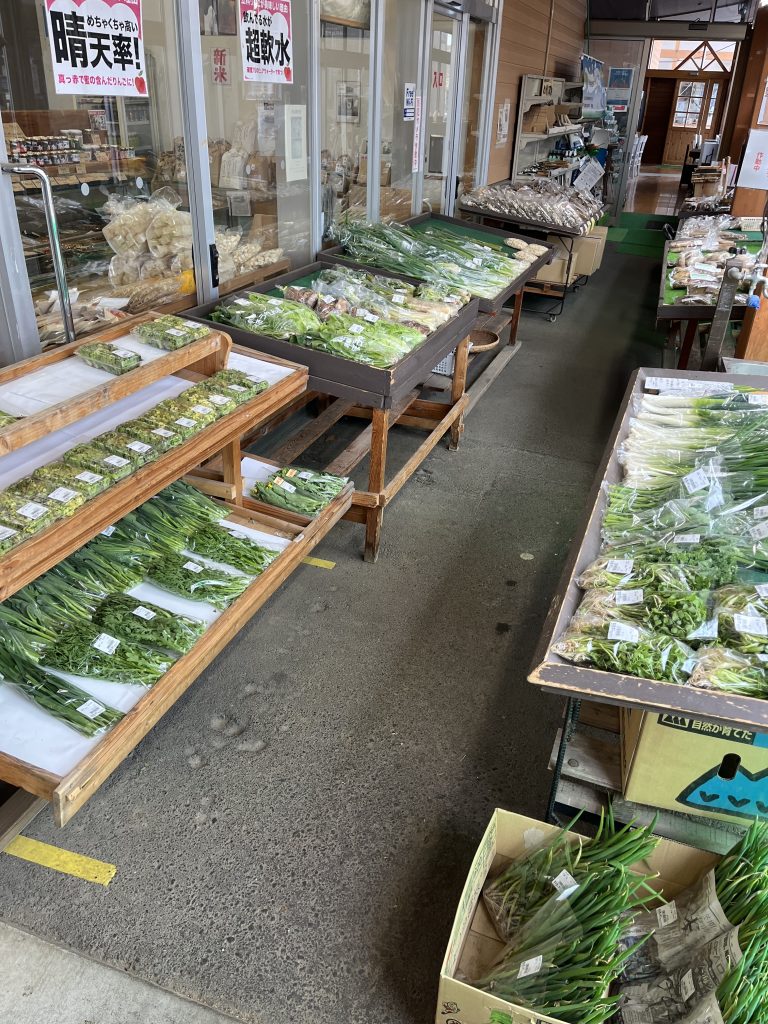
point(263, 229)
point(555, 272)
point(587, 252)
point(684, 764)
point(474, 944)
point(539, 119)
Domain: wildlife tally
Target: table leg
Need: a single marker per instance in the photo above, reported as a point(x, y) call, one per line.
point(572, 709)
point(231, 457)
point(375, 516)
point(685, 351)
point(458, 385)
point(515, 321)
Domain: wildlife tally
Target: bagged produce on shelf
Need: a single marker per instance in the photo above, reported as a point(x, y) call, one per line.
point(608, 572)
point(142, 622)
point(171, 416)
point(303, 491)
point(126, 230)
point(170, 332)
point(192, 406)
point(238, 385)
point(263, 314)
point(115, 443)
point(62, 501)
point(108, 357)
point(628, 648)
point(729, 671)
point(541, 202)
point(169, 233)
point(95, 460)
point(143, 429)
point(684, 614)
point(24, 515)
point(60, 474)
point(196, 581)
point(156, 292)
point(226, 544)
point(63, 701)
point(380, 344)
point(113, 566)
point(742, 617)
point(87, 651)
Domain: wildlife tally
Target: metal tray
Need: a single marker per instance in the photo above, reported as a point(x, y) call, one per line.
point(344, 378)
point(554, 674)
point(494, 305)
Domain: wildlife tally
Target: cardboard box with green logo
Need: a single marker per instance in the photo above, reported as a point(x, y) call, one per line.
point(684, 764)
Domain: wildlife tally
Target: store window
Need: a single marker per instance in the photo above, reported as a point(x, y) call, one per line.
point(712, 106)
point(690, 98)
point(402, 32)
point(440, 115)
point(345, 45)
point(472, 106)
point(257, 151)
point(116, 163)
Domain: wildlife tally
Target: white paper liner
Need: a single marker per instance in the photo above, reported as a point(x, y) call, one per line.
point(254, 470)
point(32, 735)
point(257, 368)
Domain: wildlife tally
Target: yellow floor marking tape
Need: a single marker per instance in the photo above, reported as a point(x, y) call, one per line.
point(321, 563)
point(67, 863)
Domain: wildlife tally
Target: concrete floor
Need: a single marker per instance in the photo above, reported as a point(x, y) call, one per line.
point(317, 878)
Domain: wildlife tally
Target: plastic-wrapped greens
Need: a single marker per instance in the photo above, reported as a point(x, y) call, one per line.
point(87, 651)
point(95, 460)
point(729, 671)
point(232, 548)
point(170, 332)
point(6, 419)
point(207, 394)
point(108, 357)
point(303, 491)
point(145, 623)
point(628, 648)
point(62, 501)
point(162, 439)
point(190, 578)
point(684, 614)
point(263, 314)
point(742, 617)
point(114, 442)
point(26, 516)
point(60, 474)
point(236, 383)
point(609, 572)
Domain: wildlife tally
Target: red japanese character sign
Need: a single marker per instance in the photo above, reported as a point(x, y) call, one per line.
point(97, 47)
point(265, 41)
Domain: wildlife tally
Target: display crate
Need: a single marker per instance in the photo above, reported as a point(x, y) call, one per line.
point(466, 229)
point(554, 674)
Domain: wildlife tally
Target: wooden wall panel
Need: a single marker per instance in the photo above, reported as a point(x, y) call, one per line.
point(522, 52)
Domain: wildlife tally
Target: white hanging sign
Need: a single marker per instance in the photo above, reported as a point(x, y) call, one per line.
point(97, 47)
point(416, 134)
point(265, 41)
point(409, 101)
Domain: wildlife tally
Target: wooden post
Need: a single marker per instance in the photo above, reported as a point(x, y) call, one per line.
point(231, 459)
point(515, 321)
point(374, 516)
point(691, 330)
point(458, 384)
point(753, 339)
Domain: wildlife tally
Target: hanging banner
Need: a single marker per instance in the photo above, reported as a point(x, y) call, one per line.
point(593, 100)
point(754, 166)
point(97, 47)
point(416, 135)
point(265, 41)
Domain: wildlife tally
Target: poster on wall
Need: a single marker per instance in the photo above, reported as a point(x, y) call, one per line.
point(620, 89)
point(348, 103)
point(265, 41)
point(502, 123)
point(97, 47)
point(593, 100)
point(221, 68)
point(754, 166)
point(295, 142)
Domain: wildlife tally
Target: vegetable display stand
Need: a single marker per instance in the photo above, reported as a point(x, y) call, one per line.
point(581, 681)
point(567, 239)
point(57, 402)
point(383, 396)
point(465, 230)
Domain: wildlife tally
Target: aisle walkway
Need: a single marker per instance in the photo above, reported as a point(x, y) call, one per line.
point(315, 879)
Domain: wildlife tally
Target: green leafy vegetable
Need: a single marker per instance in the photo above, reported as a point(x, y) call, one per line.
point(141, 622)
point(108, 357)
point(170, 332)
point(231, 548)
point(87, 651)
point(192, 579)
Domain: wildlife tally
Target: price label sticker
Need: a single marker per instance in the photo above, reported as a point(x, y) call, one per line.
point(6, 532)
point(757, 398)
point(63, 494)
point(328, 298)
point(236, 387)
point(621, 566)
point(290, 473)
point(89, 478)
point(144, 613)
point(687, 538)
point(621, 631)
point(687, 386)
point(399, 298)
point(762, 589)
point(140, 447)
point(529, 967)
point(667, 914)
point(32, 510)
point(274, 302)
point(219, 399)
point(696, 481)
point(687, 987)
point(356, 329)
point(564, 881)
point(754, 624)
point(124, 353)
point(193, 566)
point(117, 461)
point(91, 709)
point(185, 421)
point(285, 485)
point(162, 432)
point(371, 318)
point(108, 531)
point(176, 333)
point(242, 302)
point(305, 475)
point(202, 410)
point(629, 596)
point(105, 643)
point(759, 532)
point(761, 512)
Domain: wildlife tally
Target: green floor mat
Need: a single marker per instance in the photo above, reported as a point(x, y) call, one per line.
point(632, 249)
point(617, 234)
point(640, 220)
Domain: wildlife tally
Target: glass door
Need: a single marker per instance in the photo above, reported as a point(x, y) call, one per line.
point(92, 128)
point(471, 106)
point(441, 92)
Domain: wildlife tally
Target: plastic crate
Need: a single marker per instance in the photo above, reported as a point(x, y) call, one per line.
point(445, 366)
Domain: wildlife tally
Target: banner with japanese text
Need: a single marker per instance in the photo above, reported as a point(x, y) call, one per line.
point(97, 47)
point(265, 41)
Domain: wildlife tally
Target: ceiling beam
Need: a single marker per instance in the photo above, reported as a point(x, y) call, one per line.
point(715, 31)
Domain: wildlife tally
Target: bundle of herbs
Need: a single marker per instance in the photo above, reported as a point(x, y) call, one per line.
point(141, 622)
point(196, 581)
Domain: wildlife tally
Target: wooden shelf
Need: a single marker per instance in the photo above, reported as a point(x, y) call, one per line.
point(68, 793)
point(45, 549)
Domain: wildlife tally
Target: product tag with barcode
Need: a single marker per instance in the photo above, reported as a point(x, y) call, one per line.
point(185, 421)
point(529, 967)
point(687, 538)
point(202, 410)
point(759, 532)
point(193, 566)
point(89, 478)
point(108, 531)
point(91, 709)
point(139, 446)
point(667, 914)
point(356, 329)
point(32, 510)
point(761, 512)
point(236, 387)
point(762, 589)
point(117, 461)
point(687, 987)
point(144, 613)
point(621, 566)
point(757, 398)
point(564, 881)
point(162, 432)
point(63, 494)
point(175, 332)
point(219, 399)
point(695, 481)
point(284, 484)
point(6, 532)
point(629, 596)
point(105, 643)
point(753, 624)
point(621, 631)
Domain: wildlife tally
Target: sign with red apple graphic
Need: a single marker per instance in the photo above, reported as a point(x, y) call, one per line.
point(97, 47)
point(265, 41)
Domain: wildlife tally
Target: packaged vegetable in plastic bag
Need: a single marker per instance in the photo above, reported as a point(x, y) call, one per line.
point(115, 443)
point(62, 501)
point(709, 561)
point(97, 462)
point(24, 515)
point(144, 430)
point(608, 572)
point(234, 383)
point(729, 671)
point(231, 547)
point(60, 474)
point(684, 614)
point(630, 649)
point(190, 578)
point(108, 357)
point(145, 623)
point(169, 233)
point(87, 651)
point(170, 332)
point(742, 616)
point(263, 314)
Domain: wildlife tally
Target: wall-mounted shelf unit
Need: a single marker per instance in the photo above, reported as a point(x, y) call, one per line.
point(543, 102)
